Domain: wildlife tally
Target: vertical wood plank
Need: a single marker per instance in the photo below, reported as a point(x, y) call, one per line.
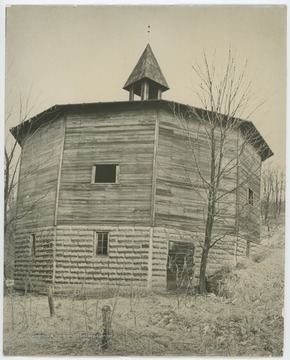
point(154, 170)
point(93, 174)
point(146, 90)
point(54, 255)
point(131, 94)
point(117, 174)
point(159, 95)
point(143, 91)
point(59, 171)
point(150, 260)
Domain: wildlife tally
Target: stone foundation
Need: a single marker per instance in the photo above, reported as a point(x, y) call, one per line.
point(136, 259)
point(34, 272)
point(226, 252)
point(125, 265)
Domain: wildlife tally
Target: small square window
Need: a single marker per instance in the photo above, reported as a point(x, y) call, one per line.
point(32, 244)
point(105, 174)
point(101, 243)
point(250, 197)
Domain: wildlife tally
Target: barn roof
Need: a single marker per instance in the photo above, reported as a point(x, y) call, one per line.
point(147, 67)
point(57, 111)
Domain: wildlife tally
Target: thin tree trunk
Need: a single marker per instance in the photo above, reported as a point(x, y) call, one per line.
point(206, 247)
point(210, 216)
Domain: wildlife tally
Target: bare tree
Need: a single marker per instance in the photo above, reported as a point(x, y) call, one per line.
point(225, 96)
point(18, 113)
point(12, 157)
point(273, 195)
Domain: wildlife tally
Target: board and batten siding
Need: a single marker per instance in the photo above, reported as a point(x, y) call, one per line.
point(123, 137)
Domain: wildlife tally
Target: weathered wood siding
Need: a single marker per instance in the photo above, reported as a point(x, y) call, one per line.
point(250, 178)
point(123, 137)
point(181, 200)
point(38, 177)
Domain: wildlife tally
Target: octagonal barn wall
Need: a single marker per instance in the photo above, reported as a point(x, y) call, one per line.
point(119, 137)
point(34, 272)
point(60, 156)
point(250, 178)
point(77, 266)
point(36, 206)
point(183, 152)
point(38, 176)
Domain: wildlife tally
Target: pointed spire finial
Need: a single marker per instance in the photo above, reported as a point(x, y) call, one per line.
point(148, 32)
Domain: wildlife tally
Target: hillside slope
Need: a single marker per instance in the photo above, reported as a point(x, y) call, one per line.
point(244, 318)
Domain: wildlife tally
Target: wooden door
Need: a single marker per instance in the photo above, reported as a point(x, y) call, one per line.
point(180, 265)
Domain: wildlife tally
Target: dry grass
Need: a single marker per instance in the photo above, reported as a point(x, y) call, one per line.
point(245, 320)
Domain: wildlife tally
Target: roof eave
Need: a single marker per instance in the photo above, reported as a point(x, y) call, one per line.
point(46, 116)
point(128, 85)
point(57, 111)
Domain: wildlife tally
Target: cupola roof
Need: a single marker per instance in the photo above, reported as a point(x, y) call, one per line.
point(147, 68)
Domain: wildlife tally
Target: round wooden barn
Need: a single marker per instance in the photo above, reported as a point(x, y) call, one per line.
point(113, 194)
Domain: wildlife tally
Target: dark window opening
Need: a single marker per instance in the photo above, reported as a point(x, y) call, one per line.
point(153, 92)
point(32, 244)
point(250, 197)
point(105, 173)
point(102, 243)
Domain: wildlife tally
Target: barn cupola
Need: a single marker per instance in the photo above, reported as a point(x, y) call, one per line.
point(146, 80)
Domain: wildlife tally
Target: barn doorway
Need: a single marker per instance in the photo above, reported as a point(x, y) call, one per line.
point(180, 265)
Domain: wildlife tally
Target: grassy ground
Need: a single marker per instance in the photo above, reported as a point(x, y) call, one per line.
point(245, 319)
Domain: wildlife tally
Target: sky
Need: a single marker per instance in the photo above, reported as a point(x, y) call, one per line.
point(78, 54)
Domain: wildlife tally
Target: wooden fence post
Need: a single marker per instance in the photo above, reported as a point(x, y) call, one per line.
point(107, 330)
point(50, 301)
